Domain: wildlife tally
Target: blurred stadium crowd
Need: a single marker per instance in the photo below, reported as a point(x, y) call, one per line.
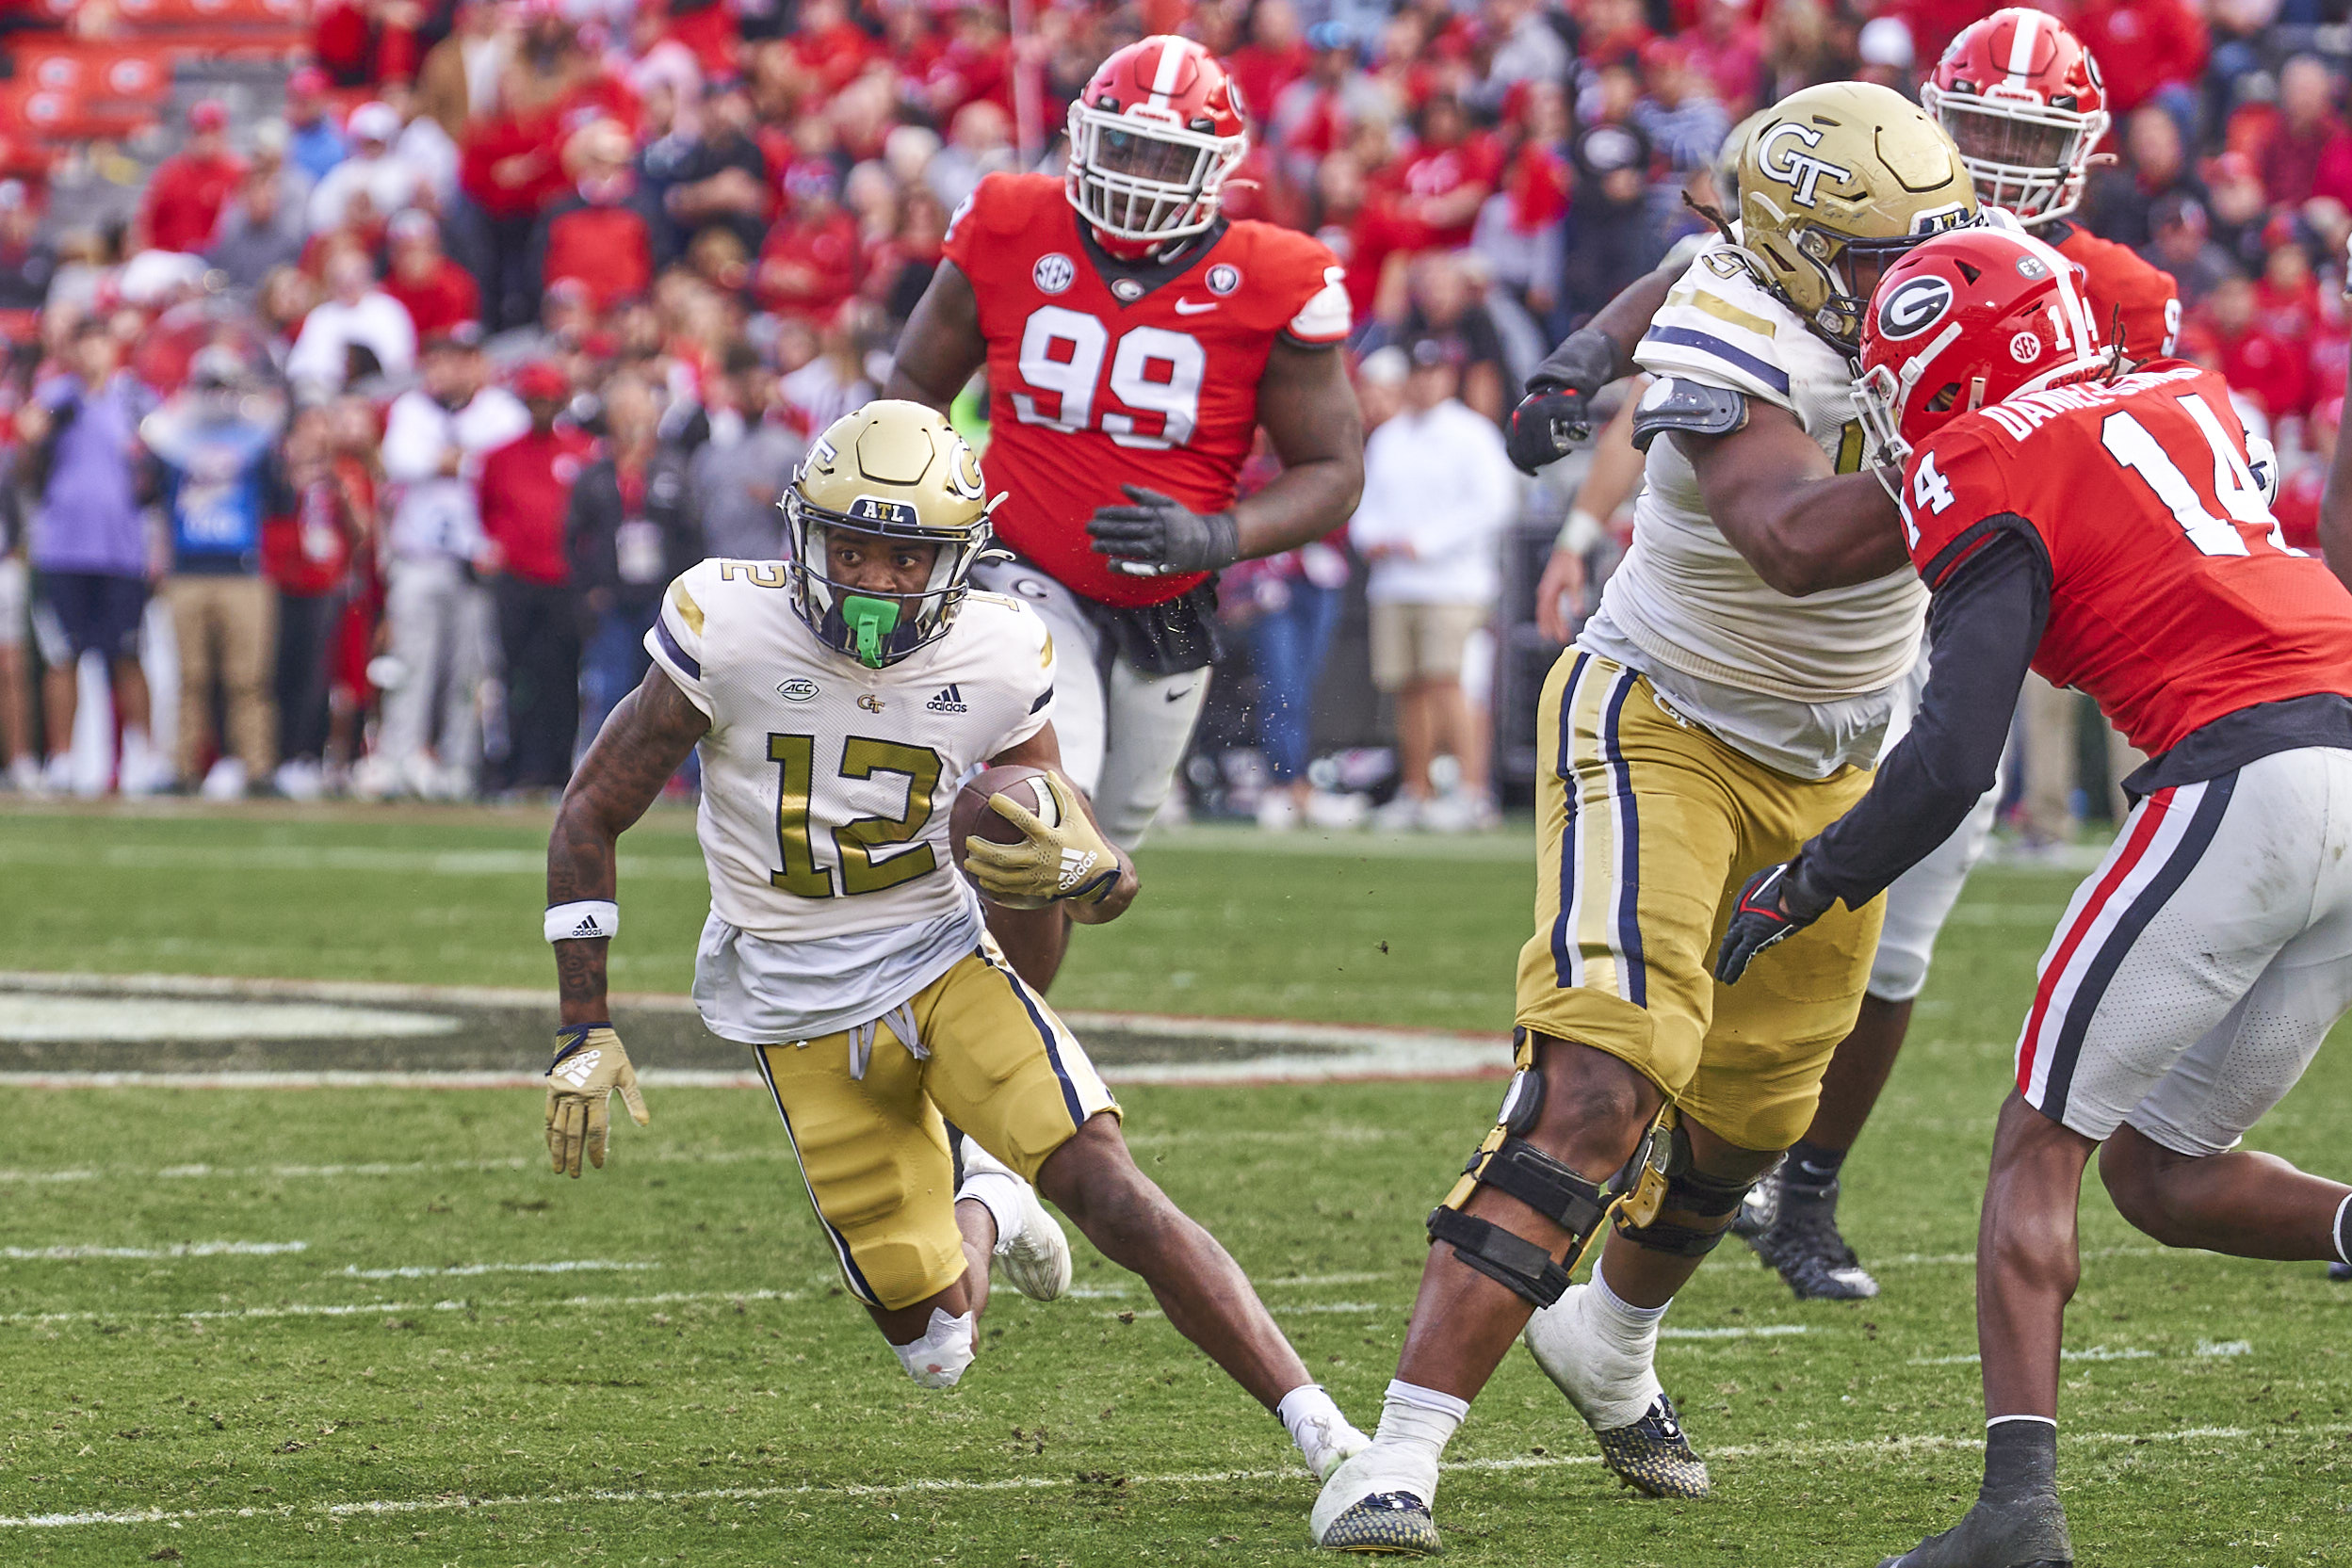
point(355, 457)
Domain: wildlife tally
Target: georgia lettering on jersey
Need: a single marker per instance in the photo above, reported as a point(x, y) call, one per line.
point(1146, 377)
point(2177, 601)
point(826, 785)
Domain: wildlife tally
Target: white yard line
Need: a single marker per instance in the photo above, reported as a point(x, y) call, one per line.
point(2206, 1350)
point(1896, 1446)
point(178, 1249)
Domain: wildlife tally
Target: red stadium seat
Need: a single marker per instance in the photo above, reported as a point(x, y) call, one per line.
point(97, 72)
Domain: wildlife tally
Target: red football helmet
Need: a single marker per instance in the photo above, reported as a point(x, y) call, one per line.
point(1152, 140)
point(2022, 100)
point(1967, 319)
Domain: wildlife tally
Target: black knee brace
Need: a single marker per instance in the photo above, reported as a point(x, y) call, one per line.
point(1715, 1202)
point(1510, 1164)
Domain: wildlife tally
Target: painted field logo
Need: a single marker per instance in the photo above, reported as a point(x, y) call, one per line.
point(1053, 274)
point(799, 689)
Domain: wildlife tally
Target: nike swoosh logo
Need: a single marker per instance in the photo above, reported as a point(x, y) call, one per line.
point(1188, 307)
point(1179, 695)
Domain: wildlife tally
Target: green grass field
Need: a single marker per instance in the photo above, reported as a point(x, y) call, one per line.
point(418, 1347)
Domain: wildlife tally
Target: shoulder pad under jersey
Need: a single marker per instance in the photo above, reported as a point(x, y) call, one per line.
point(1674, 404)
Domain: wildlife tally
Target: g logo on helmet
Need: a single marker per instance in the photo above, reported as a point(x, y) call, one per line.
point(2025, 347)
point(1913, 307)
point(963, 473)
point(1802, 172)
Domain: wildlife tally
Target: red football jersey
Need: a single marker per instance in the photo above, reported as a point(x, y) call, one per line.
point(2120, 282)
point(2173, 599)
point(1089, 389)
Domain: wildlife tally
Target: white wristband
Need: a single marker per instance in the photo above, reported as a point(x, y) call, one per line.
point(1579, 533)
point(583, 919)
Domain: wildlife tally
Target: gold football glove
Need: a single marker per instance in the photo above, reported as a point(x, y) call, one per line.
point(1066, 862)
point(590, 1064)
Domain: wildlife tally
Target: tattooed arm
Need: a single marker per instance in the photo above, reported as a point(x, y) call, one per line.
point(646, 739)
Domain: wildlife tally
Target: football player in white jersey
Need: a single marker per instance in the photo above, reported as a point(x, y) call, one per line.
point(838, 697)
point(1729, 694)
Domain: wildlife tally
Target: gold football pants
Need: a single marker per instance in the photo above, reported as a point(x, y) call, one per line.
point(1648, 827)
point(867, 1121)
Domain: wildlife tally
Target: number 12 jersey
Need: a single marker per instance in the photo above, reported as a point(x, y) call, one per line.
point(1143, 374)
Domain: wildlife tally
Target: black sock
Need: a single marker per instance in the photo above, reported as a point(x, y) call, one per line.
point(1810, 1165)
point(2020, 1461)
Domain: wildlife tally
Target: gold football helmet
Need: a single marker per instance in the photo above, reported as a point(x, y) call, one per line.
point(895, 470)
point(1835, 183)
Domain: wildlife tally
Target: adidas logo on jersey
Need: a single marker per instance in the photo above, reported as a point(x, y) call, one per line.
point(948, 700)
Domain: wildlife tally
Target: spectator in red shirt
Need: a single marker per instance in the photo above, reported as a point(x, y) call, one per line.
point(525, 496)
point(1275, 55)
point(2143, 47)
point(2309, 138)
point(2286, 296)
point(809, 265)
point(2275, 373)
point(1728, 49)
point(603, 233)
point(188, 190)
point(2298, 498)
point(306, 556)
point(435, 291)
point(1448, 176)
point(831, 48)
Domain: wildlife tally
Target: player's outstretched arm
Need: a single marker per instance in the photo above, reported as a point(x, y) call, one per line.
point(1554, 415)
point(1311, 418)
point(646, 739)
point(1802, 526)
point(942, 346)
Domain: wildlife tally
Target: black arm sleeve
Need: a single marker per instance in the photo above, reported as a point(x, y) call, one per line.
point(1982, 629)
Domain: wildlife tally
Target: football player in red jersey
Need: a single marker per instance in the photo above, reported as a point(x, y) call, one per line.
point(2107, 530)
point(2021, 98)
point(1135, 340)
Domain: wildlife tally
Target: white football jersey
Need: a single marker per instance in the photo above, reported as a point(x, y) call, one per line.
point(1687, 608)
point(827, 786)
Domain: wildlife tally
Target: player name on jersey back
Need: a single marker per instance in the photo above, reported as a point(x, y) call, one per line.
point(2175, 600)
point(826, 784)
point(1101, 375)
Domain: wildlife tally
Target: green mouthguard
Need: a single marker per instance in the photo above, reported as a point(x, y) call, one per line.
point(869, 620)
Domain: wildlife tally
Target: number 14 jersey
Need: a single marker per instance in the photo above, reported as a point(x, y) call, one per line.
point(1146, 376)
point(2173, 599)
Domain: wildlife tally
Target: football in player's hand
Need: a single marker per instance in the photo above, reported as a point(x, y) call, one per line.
point(972, 815)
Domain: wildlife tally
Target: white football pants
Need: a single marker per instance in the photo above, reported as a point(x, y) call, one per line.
point(1123, 732)
point(1919, 900)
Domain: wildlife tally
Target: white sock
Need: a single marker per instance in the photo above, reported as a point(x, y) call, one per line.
point(1313, 1419)
point(2344, 1230)
point(992, 1184)
point(1635, 1327)
point(1422, 1420)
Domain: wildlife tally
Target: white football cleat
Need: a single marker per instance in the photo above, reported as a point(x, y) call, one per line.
point(1378, 1504)
point(1617, 1392)
point(1031, 1253)
point(1035, 1259)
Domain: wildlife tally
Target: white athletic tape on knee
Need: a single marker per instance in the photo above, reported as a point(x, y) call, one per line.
point(939, 1358)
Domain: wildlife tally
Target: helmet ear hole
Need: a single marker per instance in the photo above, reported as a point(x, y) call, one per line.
point(1942, 401)
point(1971, 273)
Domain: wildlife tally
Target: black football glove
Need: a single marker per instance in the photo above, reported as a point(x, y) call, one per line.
point(1554, 413)
point(1157, 536)
point(1777, 903)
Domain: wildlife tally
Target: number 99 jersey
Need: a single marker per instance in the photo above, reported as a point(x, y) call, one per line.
point(1102, 374)
point(826, 785)
point(2173, 599)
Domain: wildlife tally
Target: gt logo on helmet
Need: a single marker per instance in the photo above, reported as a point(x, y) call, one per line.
point(1801, 171)
point(1914, 307)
